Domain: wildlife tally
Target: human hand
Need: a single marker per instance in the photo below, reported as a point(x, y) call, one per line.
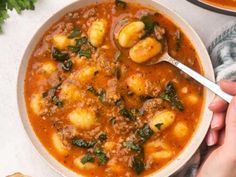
point(221, 158)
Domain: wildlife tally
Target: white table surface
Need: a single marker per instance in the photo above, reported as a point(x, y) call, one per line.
point(16, 151)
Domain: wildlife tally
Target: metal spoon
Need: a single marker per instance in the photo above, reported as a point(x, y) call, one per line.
point(202, 80)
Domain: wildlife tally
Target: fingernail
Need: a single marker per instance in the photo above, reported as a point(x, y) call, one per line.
point(210, 139)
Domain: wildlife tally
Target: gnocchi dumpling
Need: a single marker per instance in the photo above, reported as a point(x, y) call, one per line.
point(145, 50)
point(158, 150)
point(59, 146)
point(162, 120)
point(193, 98)
point(86, 74)
point(81, 166)
point(131, 34)
point(36, 103)
point(97, 32)
point(136, 84)
point(156, 145)
point(161, 155)
point(48, 68)
point(115, 167)
point(69, 92)
point(181, 130)
point(82, 118)
point(62, 42)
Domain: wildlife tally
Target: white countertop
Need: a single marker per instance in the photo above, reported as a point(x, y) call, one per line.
point(16, 151)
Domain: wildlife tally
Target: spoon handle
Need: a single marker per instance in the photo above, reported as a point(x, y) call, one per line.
point(204, 81)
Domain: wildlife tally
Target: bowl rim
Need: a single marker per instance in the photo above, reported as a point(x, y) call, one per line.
point(214, 8)
point(199, 134)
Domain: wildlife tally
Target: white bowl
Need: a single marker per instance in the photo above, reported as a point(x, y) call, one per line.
point(201, 131)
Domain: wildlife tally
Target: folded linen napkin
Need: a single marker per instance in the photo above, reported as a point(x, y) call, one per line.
point(222, 50)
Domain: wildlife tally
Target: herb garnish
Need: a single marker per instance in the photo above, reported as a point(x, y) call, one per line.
point(134, 147)
point(87, 53)
point(145, 132)
point(83, 143)
point(100, 94)
point(158, 126)
point(117, 56)
point(18, 5)
point(170, 95)
point(127, 113)
point(67, 65)
point(75, 33)
point(57, 101)
point(150, 24)
point(144, 98)
point(102, 137)
point(101, 156)
point(59, 56)
point(137, 165)
point(87, 158)
point(120, 4)
point(118, 72)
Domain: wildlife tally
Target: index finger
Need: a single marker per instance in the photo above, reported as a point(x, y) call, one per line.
point(228, 86)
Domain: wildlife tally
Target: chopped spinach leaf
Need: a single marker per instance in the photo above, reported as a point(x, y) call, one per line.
point(73, 49)
point(59, 56)
point(120, 4)
point(102, 137)
point(117, 56)
point(91, 89)
point(83, 143)
point(145, 132)
point(81, 41)
point(120, 101)
point(75, 33)
point(158, 126)
point(57, 101)
point(87, 53)
point(135, 112)
point(150, 24)
point(170, 95)
point(134, 147)
point(78, 44)
point(18, 5)
point(45, 94)
point(178, 40)
point(144, 98)
point(137, 165)
point(127, 114)
point(130, 93)
point(102, 96)
point(67, 65)
point(113, 120)
point(117, 72)
point(101, 156)
point(51, 92)
point(87, 158)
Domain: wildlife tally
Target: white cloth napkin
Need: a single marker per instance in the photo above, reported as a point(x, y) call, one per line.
point(222, 50)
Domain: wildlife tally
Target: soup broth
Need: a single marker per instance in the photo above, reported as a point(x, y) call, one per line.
point(95, 104)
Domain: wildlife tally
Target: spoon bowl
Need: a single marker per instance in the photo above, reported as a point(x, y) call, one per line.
point(196, 76)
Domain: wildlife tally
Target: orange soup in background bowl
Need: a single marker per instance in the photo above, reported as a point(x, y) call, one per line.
point(229, 4)
point(227, 7)
point(91, 106)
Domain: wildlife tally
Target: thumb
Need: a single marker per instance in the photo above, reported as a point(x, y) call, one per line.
point(230, 129)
